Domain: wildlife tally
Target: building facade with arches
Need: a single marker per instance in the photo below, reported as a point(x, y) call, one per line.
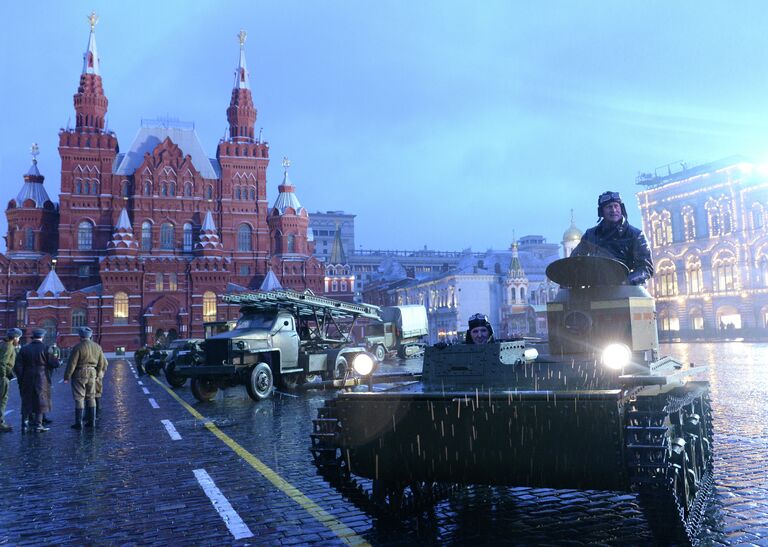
point(142, 242)
point(708, 231)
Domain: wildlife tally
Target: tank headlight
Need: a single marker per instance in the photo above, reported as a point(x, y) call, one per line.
point(616, 356)
point(363, 364)
point(530, 354)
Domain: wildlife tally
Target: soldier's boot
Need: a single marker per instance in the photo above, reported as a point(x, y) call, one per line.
point(78, 418)
point(24, 423)
point(90, 416)
point(46, 419)
point(39, 427)
point(5, 428)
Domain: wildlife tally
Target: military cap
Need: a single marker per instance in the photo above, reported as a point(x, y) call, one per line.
point(14, 333)
point(85, 332)
point(38, 333)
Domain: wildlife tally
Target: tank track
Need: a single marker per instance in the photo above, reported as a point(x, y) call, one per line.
point(668, 440)
point(379, 498)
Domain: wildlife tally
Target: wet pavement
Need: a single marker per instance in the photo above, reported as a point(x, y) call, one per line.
point(161, 468)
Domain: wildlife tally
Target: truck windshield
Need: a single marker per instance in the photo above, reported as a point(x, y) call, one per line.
point(255, 321)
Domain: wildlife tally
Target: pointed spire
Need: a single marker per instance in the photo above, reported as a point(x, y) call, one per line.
point(242, 80)
point(286, 198)
point(270, 283)
point(338, 256)
point(123, 242)
point(51, 284)
point(90, 102)
point(241, 113)
point(572, 233)
point(91, 55)
point(515, 267)
point(33, 184)
point(209, 236)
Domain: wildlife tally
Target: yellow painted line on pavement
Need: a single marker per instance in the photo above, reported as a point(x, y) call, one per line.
point(345, 533)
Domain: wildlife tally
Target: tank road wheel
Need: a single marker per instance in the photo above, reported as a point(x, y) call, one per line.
point(259, 383)
point(204, 390)
point(670, 461)
point(172, 378)
point(380, 353)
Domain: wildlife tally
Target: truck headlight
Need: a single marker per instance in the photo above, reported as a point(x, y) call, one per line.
point(363, 364)
point(616, 356)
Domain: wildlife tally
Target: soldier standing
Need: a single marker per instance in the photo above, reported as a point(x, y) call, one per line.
point(86, 363)
point(100, 388)
point(139, 356)
point(7, 360)
point(32, 364)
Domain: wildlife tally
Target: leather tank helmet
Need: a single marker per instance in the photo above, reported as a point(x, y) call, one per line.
point(609, 197)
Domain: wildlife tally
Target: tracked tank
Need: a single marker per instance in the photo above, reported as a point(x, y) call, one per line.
point(595, 408)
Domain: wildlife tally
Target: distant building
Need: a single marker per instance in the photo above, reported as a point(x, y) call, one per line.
point(143, 241)
point(708, 230)
point(339, 279)
point(324, 226)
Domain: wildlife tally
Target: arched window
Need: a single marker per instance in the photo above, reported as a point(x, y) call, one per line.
point(29, 243)
point(209, 192)
point(188, 189)
point(121, 308)
point(713, 218)
point(146, 236)
point(164, 190)
point(757, 217)
point(78, 318)
point(291, 243)
point(86, 187)
point(166, 236)
point(94, 187)
point(689, 223)
point(173, 283)
point(726, 219)
point(696, 319)
point(668, 321)
point(666, 279)
point(693, 275)
point(147, 188)
point(172, 189)
point(209, 306)
point(187, 237)
point(237, 193)
point(724, 271)
point(159, 282)
point(125, 189)
point(50, 331)
point(244, 238)
point(253, 194)
point(85, 236)
point(78, 186)
point(666, 227)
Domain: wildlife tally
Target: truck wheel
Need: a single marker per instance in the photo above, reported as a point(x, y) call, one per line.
point(340, 371)
point(260, 384)
point(204, 390)
point(380, 353)
point(171, 377)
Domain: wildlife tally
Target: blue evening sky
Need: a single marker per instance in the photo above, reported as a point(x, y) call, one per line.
point(439, 123)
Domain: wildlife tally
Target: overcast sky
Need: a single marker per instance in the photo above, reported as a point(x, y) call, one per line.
point(445, 124)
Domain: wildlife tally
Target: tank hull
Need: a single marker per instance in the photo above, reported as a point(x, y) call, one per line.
point(539, 439)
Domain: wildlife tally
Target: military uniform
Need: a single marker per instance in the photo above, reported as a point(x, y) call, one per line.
point(86, 363)
point(100, 386)
point(7, 360)
point(32, 364)
point(138, 357)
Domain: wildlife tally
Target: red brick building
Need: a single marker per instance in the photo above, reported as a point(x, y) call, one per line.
point(143, 241)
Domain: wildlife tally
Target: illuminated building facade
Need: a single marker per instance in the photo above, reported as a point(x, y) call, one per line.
point(708, 230)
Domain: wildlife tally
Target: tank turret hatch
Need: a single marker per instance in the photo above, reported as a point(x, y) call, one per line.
point(587, 271)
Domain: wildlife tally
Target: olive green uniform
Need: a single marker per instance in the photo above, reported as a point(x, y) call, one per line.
point(7, 360)
point(86, 363)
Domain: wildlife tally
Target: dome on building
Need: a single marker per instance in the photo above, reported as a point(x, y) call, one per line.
point(572, 233)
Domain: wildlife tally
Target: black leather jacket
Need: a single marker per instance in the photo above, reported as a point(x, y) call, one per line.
point(621, 241)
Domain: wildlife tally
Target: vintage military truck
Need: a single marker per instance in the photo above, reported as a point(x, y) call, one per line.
point(596, 409)
point(182, 352)
point(282, 335)
point(400, 331)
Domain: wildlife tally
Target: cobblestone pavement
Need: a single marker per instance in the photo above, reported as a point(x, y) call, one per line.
point(153, 472)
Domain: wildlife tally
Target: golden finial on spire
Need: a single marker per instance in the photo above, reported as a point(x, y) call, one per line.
point(35, 151)
point(242, 36)
point(286, 163)
point(92, 19)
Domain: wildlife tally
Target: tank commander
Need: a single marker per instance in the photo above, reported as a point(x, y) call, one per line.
point(614, 237)
point(479, 331)
point(86, 363)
